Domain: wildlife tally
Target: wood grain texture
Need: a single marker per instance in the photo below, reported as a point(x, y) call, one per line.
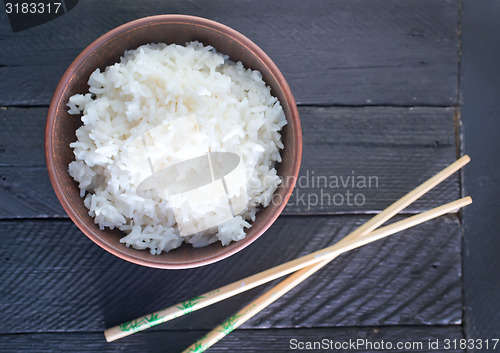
point(350, 52)
point(55, 279)
point(27, 192)
point(22, 137)
point(392, 149)
point(58, 290)
point(251, 341)
point(376, 155)
point(480, 112)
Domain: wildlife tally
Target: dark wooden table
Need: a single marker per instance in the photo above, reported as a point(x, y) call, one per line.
point(378, 84)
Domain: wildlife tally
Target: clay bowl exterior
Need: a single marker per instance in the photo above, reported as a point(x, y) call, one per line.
point(107, 50)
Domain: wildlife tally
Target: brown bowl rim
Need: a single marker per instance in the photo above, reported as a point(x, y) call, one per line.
point(133, 25)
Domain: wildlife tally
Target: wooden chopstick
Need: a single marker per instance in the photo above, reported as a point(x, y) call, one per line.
point(253, 281)
point(298, 277)
point(355, 239)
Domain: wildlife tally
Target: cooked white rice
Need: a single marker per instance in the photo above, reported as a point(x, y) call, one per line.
point(159, 83)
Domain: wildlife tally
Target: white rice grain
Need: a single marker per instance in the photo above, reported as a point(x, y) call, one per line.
point(159, 83)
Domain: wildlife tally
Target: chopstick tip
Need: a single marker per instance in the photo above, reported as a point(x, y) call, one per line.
point(465, 158)
point(108, 337)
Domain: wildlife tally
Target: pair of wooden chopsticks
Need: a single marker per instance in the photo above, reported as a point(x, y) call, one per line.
point(303, 267)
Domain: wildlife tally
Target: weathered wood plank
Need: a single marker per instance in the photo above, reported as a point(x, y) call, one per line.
point(275, 340)
point(359, 52)
point(27, 192)
point(56, 277)
point(386, 151)
point(480, 112)
point(22, 137)
point(363, 159)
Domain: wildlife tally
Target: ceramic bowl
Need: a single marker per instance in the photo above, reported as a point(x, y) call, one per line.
point(107, 50)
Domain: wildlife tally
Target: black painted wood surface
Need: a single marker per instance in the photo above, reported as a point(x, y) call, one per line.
point(355, 160)
point(377, 86)
point(413, 278)
point(481, 116)
point(274, 340)
point(332, 52)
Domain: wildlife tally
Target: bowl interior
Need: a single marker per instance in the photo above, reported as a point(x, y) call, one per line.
point(106, 51)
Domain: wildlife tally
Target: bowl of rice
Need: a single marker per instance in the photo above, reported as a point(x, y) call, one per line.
point(173, 141)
